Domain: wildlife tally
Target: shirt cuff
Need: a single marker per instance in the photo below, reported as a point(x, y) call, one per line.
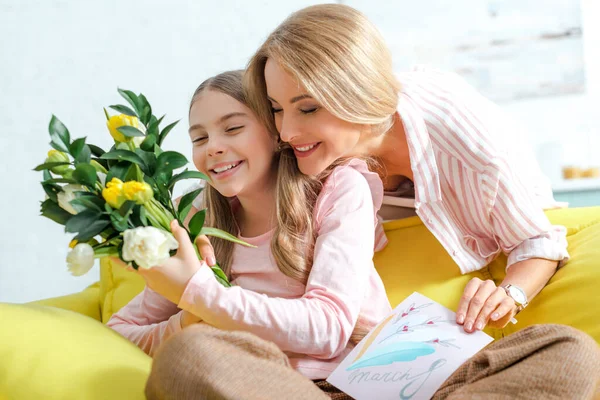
point(551, 245)
point(199, 286)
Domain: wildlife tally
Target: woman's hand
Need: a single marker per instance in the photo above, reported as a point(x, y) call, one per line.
point(187, 319)
point(483, 302)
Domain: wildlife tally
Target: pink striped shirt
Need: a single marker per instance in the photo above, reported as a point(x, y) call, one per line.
point(311, 323)
point(478, 188)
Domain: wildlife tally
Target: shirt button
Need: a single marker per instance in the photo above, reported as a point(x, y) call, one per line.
point(454, 253)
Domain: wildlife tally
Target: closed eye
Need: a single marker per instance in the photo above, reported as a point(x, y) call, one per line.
point(276, 110)
point(234, 129)
point(309, 110)
point(199, 140)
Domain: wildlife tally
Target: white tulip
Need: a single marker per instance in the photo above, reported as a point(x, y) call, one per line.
point(147, 246)
point(67, 194)
point(81, 259)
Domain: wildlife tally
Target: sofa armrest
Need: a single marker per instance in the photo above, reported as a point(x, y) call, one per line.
point(86, 302)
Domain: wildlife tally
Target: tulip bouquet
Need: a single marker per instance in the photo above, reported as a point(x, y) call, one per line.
point(119, 202)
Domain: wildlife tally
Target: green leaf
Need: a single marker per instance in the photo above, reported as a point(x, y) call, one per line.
point(119, 222)
point(143, 218)
point(52, 191)
point(148, 143)
point(185, 204)
point(59, 180)
point(108, 208)
point(85, 174)
point(94, 229)
point(133, 174)
point(82, 220)
point(88, 201)
point(223, 235)
point(153, 127)
point(84, 154)
point(169, 161)
point(130, 131)
point(46, 174)
point(196, 224)
point(165, 132)
point(76, 147)
point(187, 175)
point(52, 210)
point(60, 138)
point(119, 171)
point(49, 165)
point(220, 275)
point(126, 208)
point(149, 158)
point(131, 98)
point(145, 109)
point(97, 151)
point(137, 218)
point(125, 155)
point(124, 110)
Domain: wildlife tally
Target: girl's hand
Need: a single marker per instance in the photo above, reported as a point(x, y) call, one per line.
point(187, 319)
point(206, 250)
point(483, 302)
point(117, 261)
point(171, 278)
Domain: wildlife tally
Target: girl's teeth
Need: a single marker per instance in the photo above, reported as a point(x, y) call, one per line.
point(305, 148)
point(225, 168)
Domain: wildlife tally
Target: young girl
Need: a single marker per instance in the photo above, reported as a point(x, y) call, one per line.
point(325, 77)
point(309, 286)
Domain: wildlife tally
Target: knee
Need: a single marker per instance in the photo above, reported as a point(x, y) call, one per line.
point(574, 344)
point(177, 357)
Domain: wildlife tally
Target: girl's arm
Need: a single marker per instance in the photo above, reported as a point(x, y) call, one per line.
point(147, 320)
point(321, 321)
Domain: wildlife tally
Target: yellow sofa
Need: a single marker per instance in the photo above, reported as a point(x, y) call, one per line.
point(51, 353)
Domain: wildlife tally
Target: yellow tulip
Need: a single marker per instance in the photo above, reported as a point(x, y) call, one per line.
point(58, 156)
point(140, 192)
point(117, 121)
point(113, 193)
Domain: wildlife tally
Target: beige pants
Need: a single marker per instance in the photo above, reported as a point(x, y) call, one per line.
point(539, 362)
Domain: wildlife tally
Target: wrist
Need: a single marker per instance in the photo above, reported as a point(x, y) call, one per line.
point(518, 295)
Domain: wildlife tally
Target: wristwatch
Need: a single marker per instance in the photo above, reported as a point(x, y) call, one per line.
point(518, 295)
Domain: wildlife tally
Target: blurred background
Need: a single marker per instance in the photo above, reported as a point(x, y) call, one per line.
point(540, 60)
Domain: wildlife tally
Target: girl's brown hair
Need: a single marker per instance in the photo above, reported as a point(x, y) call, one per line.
point(293, 239)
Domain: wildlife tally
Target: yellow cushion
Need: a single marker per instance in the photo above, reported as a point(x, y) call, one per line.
point(49, 353)
point(86, 302)
point(571, 297)
point(415, 261)
point(117, 287)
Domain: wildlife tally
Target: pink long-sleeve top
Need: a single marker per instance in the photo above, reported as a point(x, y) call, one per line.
point(478, 188)
point(311, 322)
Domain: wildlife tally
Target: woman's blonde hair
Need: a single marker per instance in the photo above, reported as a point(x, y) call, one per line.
point(339, 57)
point(296, 195)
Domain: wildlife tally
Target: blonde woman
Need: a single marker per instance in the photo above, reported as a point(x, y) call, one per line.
point(324, 77)
point(307, 293)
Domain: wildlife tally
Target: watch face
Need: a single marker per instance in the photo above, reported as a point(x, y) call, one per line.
point(517, 294)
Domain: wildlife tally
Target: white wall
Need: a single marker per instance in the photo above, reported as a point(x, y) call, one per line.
point(67, 58)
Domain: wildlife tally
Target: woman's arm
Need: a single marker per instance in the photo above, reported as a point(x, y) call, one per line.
point(510, 191)
point(535, 249)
